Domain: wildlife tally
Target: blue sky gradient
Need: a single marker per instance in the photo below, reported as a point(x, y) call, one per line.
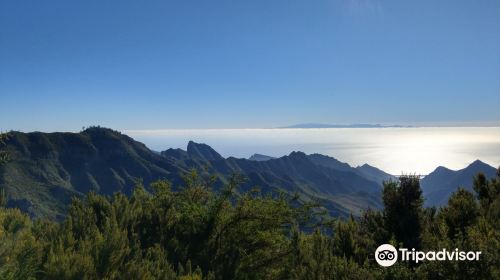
point(237, 64)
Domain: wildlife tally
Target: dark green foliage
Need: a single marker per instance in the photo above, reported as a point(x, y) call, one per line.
point(196, 233)
point(460, 213)
point(3, 159)
point(4, 156)
point(403, 210)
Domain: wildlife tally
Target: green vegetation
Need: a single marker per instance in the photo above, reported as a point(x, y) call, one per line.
point(3, 154)
point(196, 233)
point(45, 170)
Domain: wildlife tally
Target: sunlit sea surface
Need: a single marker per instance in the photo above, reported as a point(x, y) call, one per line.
point(394, 150)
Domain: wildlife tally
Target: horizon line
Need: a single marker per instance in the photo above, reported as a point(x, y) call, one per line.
point(294, 126)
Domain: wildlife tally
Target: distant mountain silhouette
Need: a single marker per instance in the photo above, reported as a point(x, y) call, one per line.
point(367, 171)
point(329, 162)
point(46, 170)
point(322, 125)
point(341, 191)
point(202, 152)
point(259, 157)
point(442, 182)
point(374, 174)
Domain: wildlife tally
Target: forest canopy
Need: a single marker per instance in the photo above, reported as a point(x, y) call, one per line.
point(196, 233)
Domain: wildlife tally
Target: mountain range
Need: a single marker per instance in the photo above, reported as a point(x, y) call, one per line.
point(259, 157)
point(442, 182)
point(46, 170)
point(356, 125)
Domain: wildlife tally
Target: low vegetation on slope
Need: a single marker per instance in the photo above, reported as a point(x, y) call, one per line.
point(196, 233)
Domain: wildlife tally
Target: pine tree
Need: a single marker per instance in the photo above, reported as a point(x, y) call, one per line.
point(403, 210)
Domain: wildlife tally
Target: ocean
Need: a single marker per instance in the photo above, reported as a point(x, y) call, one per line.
point(395, 150)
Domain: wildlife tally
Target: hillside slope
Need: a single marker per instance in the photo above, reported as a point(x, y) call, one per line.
point(342, 191)
point(46, 170)
point(442, 182)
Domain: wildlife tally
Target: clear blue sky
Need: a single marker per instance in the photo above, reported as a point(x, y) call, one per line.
point(233, 64)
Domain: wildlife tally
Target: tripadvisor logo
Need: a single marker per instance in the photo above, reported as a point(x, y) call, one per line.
point(386, 255)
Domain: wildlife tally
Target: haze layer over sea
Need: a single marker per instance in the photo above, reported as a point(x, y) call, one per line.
point(394, 150)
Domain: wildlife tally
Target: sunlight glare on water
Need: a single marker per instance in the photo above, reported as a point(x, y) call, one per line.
point(394, 150)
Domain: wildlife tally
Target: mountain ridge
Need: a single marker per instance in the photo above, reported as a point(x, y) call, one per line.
point(46, 170)
point(438, 185)
point(260, 157)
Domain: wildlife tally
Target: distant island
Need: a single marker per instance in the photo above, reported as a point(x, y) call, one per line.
point(357, 125)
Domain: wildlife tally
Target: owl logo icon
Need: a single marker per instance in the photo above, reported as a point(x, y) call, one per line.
point(386, 255)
